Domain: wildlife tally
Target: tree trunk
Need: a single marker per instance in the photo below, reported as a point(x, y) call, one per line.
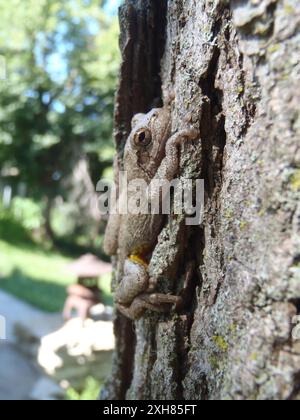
point(234, 67)
point(47, 214)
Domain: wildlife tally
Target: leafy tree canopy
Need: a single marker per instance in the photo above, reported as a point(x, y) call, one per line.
point(56, 103)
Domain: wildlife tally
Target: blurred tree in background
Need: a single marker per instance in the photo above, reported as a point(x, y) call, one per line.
point(56, 105)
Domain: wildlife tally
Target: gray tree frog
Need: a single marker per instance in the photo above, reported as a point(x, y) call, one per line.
point(151, 152)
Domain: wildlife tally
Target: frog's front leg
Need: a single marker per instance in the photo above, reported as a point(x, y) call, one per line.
point(169, 167)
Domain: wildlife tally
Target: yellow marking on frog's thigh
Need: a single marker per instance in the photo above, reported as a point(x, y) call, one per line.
point(138, 260)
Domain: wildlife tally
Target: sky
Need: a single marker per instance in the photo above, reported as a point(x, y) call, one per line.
point(56, 65)
point(112, 6)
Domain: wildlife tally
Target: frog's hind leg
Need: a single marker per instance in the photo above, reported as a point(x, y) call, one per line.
point(134, 282)
point(136, 310)
point(132, 312)
point(156, 302)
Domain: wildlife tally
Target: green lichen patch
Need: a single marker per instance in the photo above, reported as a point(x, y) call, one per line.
point(274, 48)
point(214, 362)
point(229, 214)
point(295, 181)
point(241, 90)
point(289, 10)
point(261, 213)
point(243, 225)
point(253, 357)
point(221, 343)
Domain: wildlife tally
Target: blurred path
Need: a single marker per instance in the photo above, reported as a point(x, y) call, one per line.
point(18, 312)
point(17, 375)
point(41, 351)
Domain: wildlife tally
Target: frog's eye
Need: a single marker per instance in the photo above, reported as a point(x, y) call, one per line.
point(143, 138)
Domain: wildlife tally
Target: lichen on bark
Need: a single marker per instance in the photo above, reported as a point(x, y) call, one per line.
point(234, 66)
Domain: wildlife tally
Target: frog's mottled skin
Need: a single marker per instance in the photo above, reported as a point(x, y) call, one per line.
point(150, 153)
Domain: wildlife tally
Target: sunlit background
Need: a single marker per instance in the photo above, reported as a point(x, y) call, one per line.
point(59, 67)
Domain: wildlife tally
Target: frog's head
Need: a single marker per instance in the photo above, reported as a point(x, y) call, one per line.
point(148, 138)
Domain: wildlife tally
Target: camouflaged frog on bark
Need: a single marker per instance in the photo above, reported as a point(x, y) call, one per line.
point(151, 153)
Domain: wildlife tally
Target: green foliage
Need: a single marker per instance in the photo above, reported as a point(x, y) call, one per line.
point(63, 223)
point(105, 286)
point(90, 393)
point(57, 102)
point(56, 107)
point(18, 222)
point(28, 213)
point(13, 229)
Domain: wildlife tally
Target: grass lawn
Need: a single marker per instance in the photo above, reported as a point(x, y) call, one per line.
point(36, 276)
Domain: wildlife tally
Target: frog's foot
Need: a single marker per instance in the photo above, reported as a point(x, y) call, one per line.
point(134, 312)
point(157, 299)
point(155, 302)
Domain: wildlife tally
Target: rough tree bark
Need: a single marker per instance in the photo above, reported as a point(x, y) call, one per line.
point(234, 65)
